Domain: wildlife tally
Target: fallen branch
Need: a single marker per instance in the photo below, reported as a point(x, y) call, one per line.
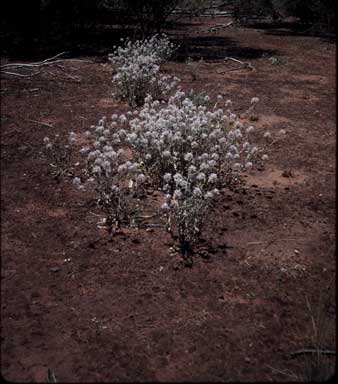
point(233, 59)
point(318, 351)
point(216, 27)
point(271, 241)
point(145, 217)
point(243, 65)
point(40, 123)
point(50, 61)
point(18, 65)
point(145, 225)
point(285, 372)
point(20, 74)
point(154, 225)
point(31, 64)
point(236, 69)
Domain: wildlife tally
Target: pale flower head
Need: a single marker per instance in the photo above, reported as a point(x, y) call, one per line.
point(212, 178)
point(201, 176)
point(167, 177)
point(177, 194)
point(209, 195)
point(197, 192)
point(97, 170)
point(165, 207)
point(77, 181)
point(141, 178)
point(123, 168)
point(188, 156)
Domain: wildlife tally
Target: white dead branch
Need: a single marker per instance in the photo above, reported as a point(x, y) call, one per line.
point(217, 27)
point(40, 123)
point(8, 68)
point(243, 65)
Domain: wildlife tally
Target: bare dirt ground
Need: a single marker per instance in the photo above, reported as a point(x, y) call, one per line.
point(96, 308)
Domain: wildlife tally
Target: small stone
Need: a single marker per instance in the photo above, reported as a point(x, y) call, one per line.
point(296, 251)
point(247, 360)
point(55, 269)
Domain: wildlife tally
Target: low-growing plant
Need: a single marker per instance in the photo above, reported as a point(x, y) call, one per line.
point(316, 367)
point(59, 154)
point(188, 147)
point(137, 66)
point(194, 67)
point(190, 152)
point(199, 98)
point(110, 174)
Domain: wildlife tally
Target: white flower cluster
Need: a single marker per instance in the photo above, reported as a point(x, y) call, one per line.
point(180, 137)
point(158, 47)
point(189, 151)
point(110, 172)
point(185, 145)
point(138, 71)
point(182, 146)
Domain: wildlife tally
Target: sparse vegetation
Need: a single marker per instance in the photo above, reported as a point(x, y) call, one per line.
point(94, 284)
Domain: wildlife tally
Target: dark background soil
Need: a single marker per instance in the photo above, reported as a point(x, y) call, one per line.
point(96, 308)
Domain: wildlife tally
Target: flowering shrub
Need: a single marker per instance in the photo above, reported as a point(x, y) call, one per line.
point(110, 174)
point(187, 146)
point(138, 70)
point(185, 138)
point(189, 152)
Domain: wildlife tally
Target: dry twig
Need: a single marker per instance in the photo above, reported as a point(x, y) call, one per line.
point(20, 74)
point(271, 241)
point(216, 27)
point(40, 64)
point(317, 351)
point(243, 65)
point(40, 123)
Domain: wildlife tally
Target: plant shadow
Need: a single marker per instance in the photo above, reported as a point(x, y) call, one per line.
point(297, 29)
point(215, 48)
